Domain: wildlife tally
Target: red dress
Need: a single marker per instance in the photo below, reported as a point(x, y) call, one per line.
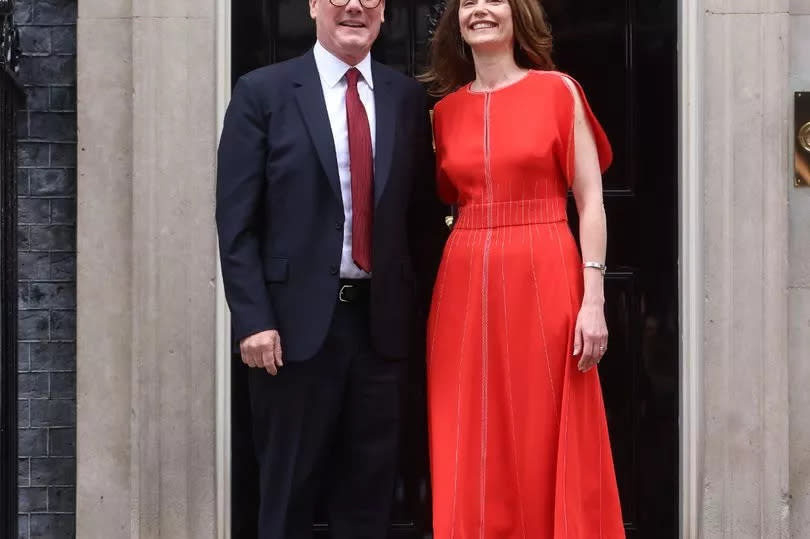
point(518, 439)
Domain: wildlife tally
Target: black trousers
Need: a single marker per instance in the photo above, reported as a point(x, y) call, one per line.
point(326, 430)
point(244, 468)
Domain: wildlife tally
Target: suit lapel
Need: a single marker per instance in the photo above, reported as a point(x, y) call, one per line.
point(385, 112)
point(312, 105)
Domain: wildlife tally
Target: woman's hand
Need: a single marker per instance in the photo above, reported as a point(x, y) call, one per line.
point(590, 335)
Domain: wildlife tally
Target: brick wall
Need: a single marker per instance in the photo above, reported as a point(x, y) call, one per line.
point(47, 268)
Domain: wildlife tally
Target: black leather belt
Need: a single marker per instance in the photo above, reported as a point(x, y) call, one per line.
point(354, 290)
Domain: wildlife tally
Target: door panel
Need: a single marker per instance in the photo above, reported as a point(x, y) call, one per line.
point(624, 54)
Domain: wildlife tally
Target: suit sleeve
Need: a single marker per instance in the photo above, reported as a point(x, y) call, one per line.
point(428, 229)
point(239, 202)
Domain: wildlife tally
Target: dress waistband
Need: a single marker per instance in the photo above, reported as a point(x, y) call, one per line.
point(511, 213)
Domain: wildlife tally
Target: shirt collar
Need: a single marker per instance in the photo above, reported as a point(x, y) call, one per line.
point(332, 69)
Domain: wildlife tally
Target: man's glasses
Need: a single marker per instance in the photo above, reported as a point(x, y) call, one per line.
point(368, 4)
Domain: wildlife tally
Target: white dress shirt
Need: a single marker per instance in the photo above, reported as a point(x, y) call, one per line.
point(332, 72)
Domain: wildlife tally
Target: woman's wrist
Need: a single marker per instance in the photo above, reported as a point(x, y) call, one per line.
point(595, 299)
point(593, 265)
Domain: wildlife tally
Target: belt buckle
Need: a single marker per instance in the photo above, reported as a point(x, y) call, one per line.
point(343, 289)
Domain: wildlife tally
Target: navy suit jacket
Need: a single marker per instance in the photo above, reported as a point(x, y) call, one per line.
point(280, 213)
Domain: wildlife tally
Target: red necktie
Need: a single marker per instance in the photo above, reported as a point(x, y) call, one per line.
point(361, 167)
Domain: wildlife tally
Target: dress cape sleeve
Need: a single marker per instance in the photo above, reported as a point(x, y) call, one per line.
point(603, 148)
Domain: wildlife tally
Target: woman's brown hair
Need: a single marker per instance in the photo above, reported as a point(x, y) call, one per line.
point(450, 63)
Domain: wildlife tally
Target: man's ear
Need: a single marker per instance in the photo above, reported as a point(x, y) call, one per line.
point(313, 4)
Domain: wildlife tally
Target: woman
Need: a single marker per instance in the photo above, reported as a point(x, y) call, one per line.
point(519, 442)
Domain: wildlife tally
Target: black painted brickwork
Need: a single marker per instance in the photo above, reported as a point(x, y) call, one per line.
point(47, 269)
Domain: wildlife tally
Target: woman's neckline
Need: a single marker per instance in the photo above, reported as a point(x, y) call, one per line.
point(499, 88)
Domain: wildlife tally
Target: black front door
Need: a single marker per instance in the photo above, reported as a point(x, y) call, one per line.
point(624, 54)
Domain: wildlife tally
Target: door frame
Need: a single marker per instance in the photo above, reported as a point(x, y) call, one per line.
point(690, 262)
point(690, 274)
point(223, 314)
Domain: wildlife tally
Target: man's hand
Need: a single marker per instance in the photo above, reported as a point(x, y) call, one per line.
point(262, 350)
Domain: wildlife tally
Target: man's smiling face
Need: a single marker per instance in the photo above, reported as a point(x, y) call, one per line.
point(348, 31)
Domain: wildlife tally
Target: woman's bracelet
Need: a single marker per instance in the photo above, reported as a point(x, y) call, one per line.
point(596, 265)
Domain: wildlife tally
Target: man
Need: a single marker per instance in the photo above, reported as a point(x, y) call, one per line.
point(324, 200)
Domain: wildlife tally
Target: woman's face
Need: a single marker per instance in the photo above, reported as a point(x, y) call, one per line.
point(486, 24)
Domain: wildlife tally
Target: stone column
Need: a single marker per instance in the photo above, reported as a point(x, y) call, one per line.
point(146, 269)
point(745, 389)
point(799, 293)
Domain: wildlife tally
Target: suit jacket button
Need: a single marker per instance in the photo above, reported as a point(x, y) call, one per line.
point(338, 225)
point(333, 269)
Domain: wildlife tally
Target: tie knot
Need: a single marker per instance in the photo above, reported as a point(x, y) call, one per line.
point(352, 75)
